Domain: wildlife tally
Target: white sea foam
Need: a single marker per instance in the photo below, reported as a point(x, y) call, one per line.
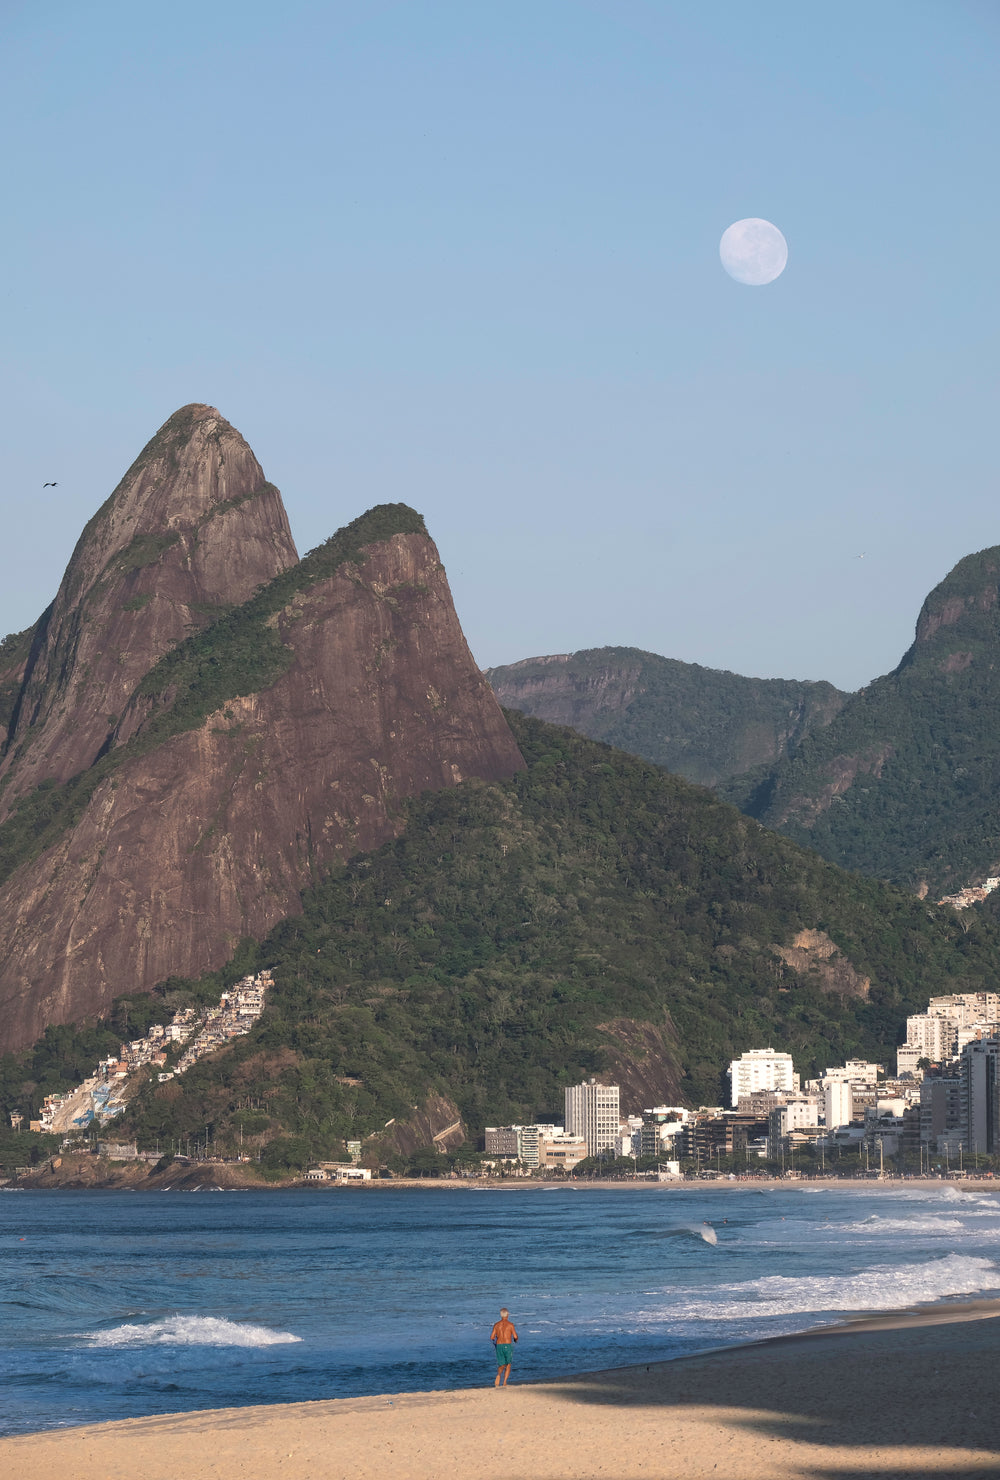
point(190, 1331)
point(880, 1287)
point(915, 1225)
point(970, 1199)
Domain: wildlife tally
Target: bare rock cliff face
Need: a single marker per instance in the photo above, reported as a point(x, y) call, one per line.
point(193, 527)
point(554, 689)
point(213, 834)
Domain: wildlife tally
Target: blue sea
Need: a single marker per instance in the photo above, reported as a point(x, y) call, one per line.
point(118, 1304)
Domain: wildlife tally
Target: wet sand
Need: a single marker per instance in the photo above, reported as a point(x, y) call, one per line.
point(903, 1395)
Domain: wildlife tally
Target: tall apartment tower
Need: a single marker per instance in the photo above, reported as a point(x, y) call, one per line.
point(762, 1068)
point(979, 1080)
point(838, 1103)
point(592, 1112)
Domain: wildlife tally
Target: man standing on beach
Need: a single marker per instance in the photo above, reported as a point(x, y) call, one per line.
point(502, 1336)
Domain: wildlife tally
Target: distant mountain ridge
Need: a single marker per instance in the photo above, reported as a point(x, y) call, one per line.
point(905, 781)
point(702, 723)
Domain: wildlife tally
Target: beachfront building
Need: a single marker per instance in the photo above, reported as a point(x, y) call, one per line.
point(562, 1150)
point(761, 1069)
point(940, 1111)
point(501, 1142)
point(592, 1112)
point(710, 1134)
point(521, 1143)
point(659, 1128)
point(979, 1090)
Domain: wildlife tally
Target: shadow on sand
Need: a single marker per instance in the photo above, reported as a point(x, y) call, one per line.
point(912, 1381)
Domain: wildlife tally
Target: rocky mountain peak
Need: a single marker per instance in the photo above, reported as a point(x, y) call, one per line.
point(219, 724)
point(192, 528)
point(972, 588)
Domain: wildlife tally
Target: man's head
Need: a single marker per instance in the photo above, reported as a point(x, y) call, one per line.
point(504, 1311)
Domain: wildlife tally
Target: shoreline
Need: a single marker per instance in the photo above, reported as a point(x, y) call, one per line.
point(80, 1174)
point(901, 1393)
point(190, 1184)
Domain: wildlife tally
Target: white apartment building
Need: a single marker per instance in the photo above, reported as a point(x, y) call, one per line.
point(798, 1115)
point(908, 1056)
point(861, 1071)
point(933, 1033)
point(760, 1069)
point(974, 1033)
point(592, 1112)
point(966, 1007)
point(838, 1103)
point(531, 1142)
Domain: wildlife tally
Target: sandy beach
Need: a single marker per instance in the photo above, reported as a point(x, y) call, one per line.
point(904, 1395)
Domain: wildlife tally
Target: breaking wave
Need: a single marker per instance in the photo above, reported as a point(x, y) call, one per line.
point(880, 1287)
point(692, 1230)
point(190, 1331)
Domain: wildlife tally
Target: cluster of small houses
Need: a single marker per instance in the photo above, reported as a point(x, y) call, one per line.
point(973, 894)
point(106, 1093)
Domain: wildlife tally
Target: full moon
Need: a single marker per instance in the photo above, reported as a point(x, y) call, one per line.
point(753, 251)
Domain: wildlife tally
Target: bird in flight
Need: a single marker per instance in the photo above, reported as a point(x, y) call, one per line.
point(50, 485)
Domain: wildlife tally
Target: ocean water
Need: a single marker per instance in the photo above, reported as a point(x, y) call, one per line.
point(119, 1304)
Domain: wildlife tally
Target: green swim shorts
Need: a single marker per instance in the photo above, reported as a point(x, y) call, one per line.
point(503, 1354)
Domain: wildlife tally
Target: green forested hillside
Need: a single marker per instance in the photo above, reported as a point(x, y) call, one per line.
point(481, 953)
point(701, 723)
point(905, 782)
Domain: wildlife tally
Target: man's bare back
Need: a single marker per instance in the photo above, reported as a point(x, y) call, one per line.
point(503, 1337)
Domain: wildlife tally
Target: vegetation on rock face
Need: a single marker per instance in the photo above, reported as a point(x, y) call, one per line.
point(701, 723)
point(14, 650)
point(239, 653)
point(905, 782)
point(480, 954)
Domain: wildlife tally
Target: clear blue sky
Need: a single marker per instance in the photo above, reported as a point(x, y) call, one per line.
point(465, 255)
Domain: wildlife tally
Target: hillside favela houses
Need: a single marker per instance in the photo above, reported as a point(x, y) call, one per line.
point(195, 1032)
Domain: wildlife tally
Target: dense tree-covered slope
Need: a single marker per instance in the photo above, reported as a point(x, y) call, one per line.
point(591, 910)
point(704, 724)
point(905, 782)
